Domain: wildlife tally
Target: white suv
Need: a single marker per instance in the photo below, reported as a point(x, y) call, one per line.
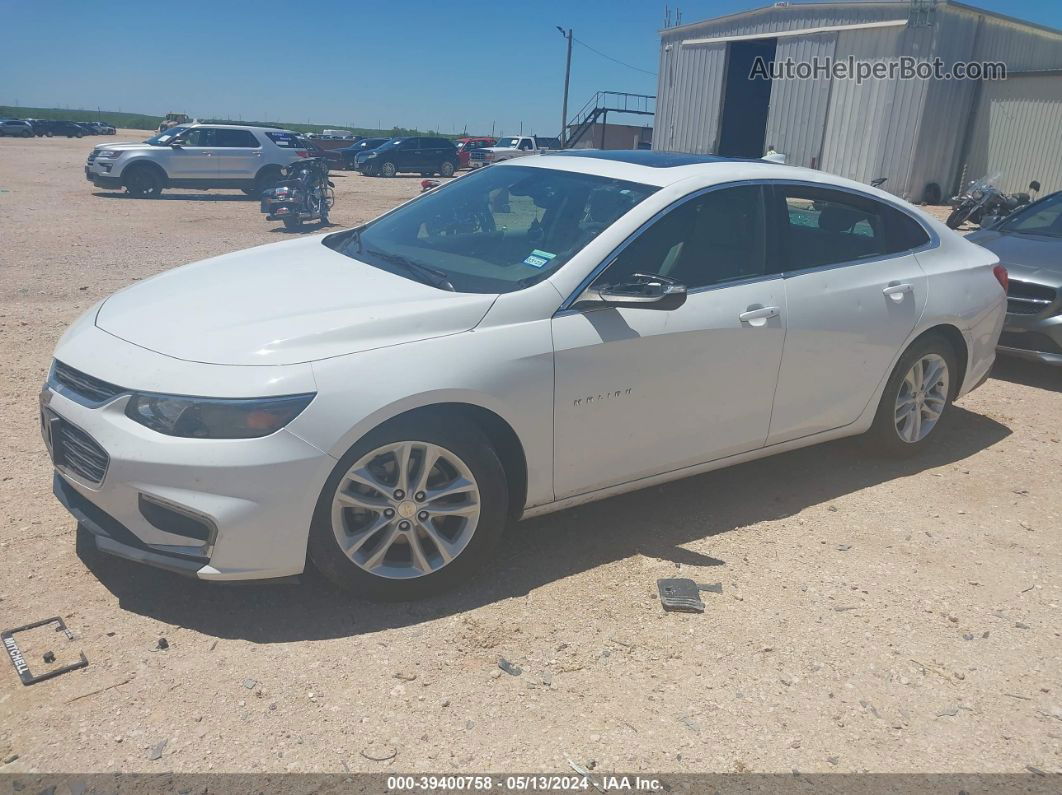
point(200, 156)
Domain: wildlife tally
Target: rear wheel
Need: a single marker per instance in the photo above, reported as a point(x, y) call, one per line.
point(251, 192)
point(292, 223)
point(446, 169)
point(916, 397)
point(387, 169)
point(413, 508)
point(27, 133)
point(144, 182)
point(49, 133)
point(266, 180)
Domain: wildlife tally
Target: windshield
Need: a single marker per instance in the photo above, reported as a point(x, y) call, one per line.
point(1042, 218)
point(165, 136)
point(507, 143)
point(496, 230)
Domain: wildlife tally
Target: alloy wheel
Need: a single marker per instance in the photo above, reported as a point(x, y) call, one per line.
point(921, 399)
point(405, 510)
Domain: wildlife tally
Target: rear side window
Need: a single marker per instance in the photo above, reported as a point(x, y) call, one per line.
point(236, 138)
point(284, 140)
point(819, 226)
point(902, 232)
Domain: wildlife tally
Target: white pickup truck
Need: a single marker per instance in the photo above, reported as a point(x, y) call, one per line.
point(509, 147)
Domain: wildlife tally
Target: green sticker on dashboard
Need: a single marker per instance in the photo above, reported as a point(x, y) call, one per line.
point(537, 259)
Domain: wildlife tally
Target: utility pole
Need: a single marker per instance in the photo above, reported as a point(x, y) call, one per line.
point(567, 76)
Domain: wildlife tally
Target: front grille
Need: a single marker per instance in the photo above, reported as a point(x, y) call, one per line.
point(76, 451)
point(474, 155)
point(90, 390)
point(1029, 341)
point(1029, 298)
point(92, 156)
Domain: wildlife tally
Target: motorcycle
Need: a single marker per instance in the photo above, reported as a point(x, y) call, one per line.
point(304, 195)
point(983, 203)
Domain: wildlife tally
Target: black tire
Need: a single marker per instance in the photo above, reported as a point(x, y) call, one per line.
point(79, 135)
point(251, 192)
point(461, 438)
point(143, 182)
point(446, 169)
point(956, 217)
point(267, 178)
point(27, 134)
point(292, 223)
point(883, 435)
point(49, 133)
point(387, 169)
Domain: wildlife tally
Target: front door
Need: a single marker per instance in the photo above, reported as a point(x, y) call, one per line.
point(644, 391)
point(854, 292)
point(195, 158)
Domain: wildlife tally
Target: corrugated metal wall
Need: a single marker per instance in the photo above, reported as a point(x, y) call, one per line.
point(1018, 133)
point(689, 98)
point(912, 132)
point(797, 115)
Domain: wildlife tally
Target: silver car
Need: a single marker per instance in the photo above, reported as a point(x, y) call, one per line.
point(199, 156)
point(1029, 243)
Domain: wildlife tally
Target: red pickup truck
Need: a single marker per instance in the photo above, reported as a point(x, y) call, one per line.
point(466, 145)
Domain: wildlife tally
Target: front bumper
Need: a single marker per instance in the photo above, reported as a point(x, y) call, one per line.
point(256, 497)
point(101, 178)
point(1035, 338)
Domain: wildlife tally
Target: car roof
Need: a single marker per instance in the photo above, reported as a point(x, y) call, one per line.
point(250, 127)
point(666, 168)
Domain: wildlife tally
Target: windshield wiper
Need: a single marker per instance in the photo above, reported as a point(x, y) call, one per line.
point(423, 273)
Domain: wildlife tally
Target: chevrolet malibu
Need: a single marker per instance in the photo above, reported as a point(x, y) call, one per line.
point(532, 336)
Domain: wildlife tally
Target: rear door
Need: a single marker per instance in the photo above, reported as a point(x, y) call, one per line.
point(239, 154)
point(854, 292)
point(409, 155)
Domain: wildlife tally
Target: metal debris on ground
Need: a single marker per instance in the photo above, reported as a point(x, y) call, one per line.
point(509, 668)
point(19, 661)
point(711, 587)
point(680, 593)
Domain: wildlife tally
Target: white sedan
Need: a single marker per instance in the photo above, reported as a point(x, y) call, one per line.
point(534, 335)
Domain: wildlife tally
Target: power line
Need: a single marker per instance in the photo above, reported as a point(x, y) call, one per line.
point(614, 60)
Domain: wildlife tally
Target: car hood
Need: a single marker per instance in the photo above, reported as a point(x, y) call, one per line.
point(125, 146)
point(284, 303)
point(1027, 257)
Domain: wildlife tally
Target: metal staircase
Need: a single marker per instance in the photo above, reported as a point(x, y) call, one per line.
point(600, 105)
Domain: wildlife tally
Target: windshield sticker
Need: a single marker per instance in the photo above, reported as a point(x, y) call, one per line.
point(536, 259)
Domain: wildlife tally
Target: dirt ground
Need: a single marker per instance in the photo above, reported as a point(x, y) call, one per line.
point(874, 615)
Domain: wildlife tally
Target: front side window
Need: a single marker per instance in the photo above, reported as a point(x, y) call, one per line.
point(199, 136)
point(711, 239)
point(164, 138)
point(495, 230)
point(820, 226)
point(1043, 218)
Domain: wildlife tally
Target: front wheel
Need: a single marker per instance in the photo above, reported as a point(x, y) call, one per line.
point(916, 397)
point(956, 217)
point(415, 507)
point(387, 169)
point(144, 182)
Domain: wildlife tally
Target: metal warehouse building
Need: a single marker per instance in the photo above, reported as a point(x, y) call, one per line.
point(926, 136)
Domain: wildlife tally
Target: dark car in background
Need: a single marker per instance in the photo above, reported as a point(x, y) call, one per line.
point(349, 153)
point(331, 156)
point(412, 154)
point(16, 128)
point(1029, 244)
point(68, 128)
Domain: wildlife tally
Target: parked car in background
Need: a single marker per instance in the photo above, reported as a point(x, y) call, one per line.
point(1029, 244)
point(466, 145)
point(102, 128)
point(16, 128)
point(424, 156)
point(200, 156)
point(512, 146)
point(331, 156)
point(40, 126)
point(349, 153)
point(383, 400)
point(68, 128)
point(88, 127)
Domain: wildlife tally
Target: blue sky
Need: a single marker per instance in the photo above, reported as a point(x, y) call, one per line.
point(409, 63)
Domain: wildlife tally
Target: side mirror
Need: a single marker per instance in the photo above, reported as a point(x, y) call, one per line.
point(175, 145)
point(641, 291)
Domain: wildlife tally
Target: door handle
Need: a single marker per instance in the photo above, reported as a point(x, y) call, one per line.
point(897, 291)
point(758, 316)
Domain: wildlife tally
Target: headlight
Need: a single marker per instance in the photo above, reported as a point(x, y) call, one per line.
point(108, 153)
point(215, 418)
point(978, 194)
